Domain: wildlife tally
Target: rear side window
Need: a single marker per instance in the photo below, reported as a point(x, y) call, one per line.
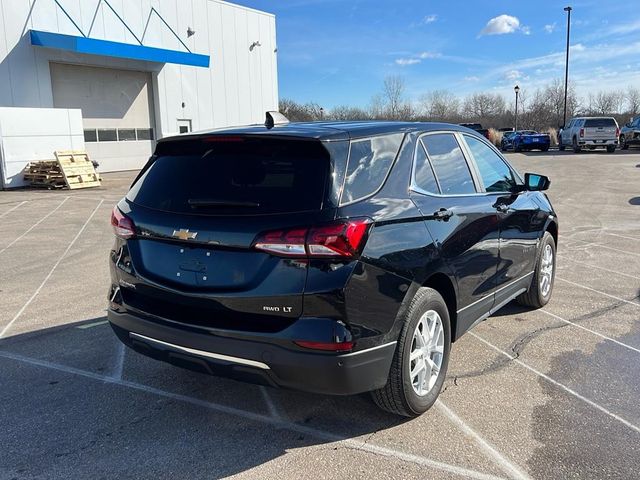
point(369, 162)
point(600, 122)
point(243, 176)
point(424, 177)
point(449, 164)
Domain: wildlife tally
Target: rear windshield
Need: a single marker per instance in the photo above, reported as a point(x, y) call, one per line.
point(234, 175)
point(599, 122)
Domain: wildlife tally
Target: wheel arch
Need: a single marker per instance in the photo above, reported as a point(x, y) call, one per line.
point(441, 283)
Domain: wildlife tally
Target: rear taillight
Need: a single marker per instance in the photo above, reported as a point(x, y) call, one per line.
point(340, 239)
point(122, 225)
point(617, 132)
point(326, 346)
point(581, 132)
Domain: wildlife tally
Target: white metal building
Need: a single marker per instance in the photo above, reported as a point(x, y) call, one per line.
point(137, 69)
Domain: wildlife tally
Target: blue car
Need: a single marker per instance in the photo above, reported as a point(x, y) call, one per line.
point(530, 140)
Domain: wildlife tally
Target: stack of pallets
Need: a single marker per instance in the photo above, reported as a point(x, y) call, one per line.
point(70, 169)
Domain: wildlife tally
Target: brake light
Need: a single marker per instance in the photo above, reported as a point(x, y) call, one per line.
point(222, 139)
point(341, 239)
point(581, 132)
point(326, 346)
point(122, 225)
point(617, 132)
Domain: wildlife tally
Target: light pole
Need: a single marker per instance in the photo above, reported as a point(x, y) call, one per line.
point(517, 90)
point(321, 113)
point(566, 67)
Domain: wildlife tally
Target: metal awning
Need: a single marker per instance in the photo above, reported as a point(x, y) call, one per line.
point(93, 46)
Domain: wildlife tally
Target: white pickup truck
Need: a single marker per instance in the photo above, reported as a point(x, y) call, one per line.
point(590, 132)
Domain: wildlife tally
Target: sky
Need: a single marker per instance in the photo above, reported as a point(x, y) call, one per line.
point(338, 52)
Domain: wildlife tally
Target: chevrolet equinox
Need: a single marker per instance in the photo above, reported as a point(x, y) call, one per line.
point(331, 257)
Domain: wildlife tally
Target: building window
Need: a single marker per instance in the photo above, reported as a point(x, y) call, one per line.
point(145, 133)
point(126, 134)
point(90, 135)
point(107, 135)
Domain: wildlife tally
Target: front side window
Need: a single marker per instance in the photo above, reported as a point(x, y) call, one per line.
point(496, 175)
point(369, 162)
point(449, 164)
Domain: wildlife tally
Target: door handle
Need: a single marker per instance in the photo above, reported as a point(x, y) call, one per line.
point(443, 214)
point(502, 208)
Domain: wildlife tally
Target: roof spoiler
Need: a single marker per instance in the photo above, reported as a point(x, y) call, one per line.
point(275, 118)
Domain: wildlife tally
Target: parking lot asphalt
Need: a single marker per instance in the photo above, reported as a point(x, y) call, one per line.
point(547, 394)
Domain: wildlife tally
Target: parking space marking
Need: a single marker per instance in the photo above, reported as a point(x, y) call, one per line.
point(119, 364)
point(510, 468)
point(600, 292)
point(594, 244)
point(622, 236)
point(257, 417)
point(558, 384)
point(273, 411)
point(14, 208)
point(35, 294)
point(91, 325)
point(36, 224)
point(590, 331)
point(563, 258)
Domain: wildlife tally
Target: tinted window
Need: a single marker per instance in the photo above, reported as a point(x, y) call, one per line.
point(90, 135)
point(496, 175)
point(252, 176)
point(126, 134)
point(107, 135)
point(369, 162)
point(423, 175)
point(599, 122)
point(449, 164)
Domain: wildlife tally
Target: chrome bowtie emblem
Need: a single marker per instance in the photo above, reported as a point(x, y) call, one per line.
point(184, 234)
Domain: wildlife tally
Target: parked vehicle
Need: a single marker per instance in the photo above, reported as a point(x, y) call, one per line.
point(630, 134)
point(478, 128)
point(505, 142)
point(530, 140)
point(591, 133)
point(338, 257)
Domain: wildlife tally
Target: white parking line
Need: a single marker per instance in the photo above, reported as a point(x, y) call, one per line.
point(119, 364)
point(594, 244)
point(35, 294)
point(273, 411)
point(598, 291)
point(12, 209)
point(36, 224)
point(637, 350)
point(260, 418)
point(93, 324)
point(563, 258)
point(622, 236)
point(558, 384)
point(510, 468)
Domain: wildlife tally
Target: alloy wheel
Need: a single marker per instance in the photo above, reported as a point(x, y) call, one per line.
point(427, 352)
point(546, 270)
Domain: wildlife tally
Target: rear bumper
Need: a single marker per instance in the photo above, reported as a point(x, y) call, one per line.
point(597, 143)
point(256, 361)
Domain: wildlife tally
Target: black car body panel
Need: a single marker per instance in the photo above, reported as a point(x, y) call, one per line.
point(215, 302)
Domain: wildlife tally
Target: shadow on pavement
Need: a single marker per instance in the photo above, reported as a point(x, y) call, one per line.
point(149, 418)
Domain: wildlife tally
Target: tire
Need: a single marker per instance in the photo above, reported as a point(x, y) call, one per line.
point(623, 143)
point(538, 296)
point(545, 149)
point(517, 148)
point(611, 148)
point(399, 396)
point(576, 147)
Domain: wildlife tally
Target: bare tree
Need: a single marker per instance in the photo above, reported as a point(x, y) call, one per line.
point(440, 105)
point(632, 97)
point(297, 112)
point(393, 95)
point(344, 112)
point(484, 107)
point(603, 103)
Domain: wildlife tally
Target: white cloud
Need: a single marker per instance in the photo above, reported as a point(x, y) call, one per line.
point(578, 47)
point(550, 27)
point(430, 18)
point(472, 78)
point(504, 24)
point(403, 62)
point(513, 75)
point(425, 55)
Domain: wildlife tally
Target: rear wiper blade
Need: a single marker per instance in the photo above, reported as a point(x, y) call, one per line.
point(209, 202)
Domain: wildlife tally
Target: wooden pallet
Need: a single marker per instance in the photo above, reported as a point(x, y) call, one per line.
point(70, 169)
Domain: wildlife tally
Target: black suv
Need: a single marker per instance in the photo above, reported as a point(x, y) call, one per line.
point(336, 258)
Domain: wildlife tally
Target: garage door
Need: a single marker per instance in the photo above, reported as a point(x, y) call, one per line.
point(117, 112)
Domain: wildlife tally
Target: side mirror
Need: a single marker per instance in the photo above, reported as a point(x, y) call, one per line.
point(536, 183)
